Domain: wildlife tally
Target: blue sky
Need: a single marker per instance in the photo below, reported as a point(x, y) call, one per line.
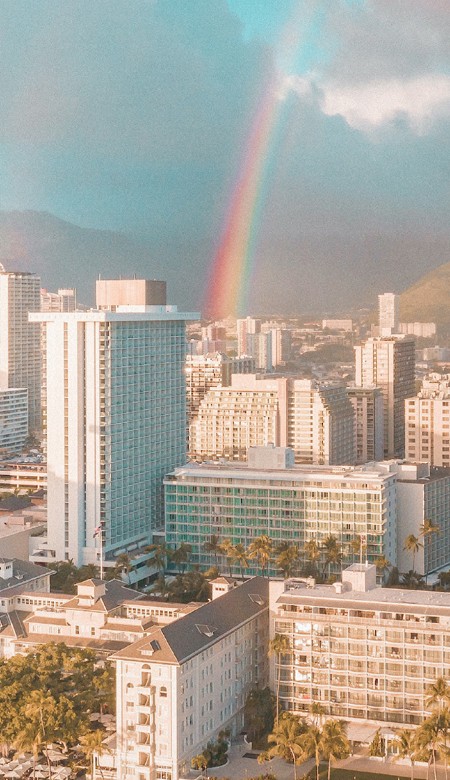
point(133, 115)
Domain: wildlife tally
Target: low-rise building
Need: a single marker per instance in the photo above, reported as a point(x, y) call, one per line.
point(362, 652)
point(183, 683)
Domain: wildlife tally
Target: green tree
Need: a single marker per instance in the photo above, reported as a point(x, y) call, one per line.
point(123, 565)
point(332, 554)
point(334, 744)
point(278, 646)
point(311, 744)
point(412, 545)
point(161, 555)
point(182, 555)
point(239, 557)
point(438, 694)
point(226, 548)
point(286, 741)
point(287, 558)
point(160, 587)
point(312, 553)
point(428, 735)
point(92, 744)
point(259, 713)
point(382, 564)
point(405, 742)
point(261, 550)
point(214, 546)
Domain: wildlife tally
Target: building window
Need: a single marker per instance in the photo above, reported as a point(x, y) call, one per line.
point(163, 692)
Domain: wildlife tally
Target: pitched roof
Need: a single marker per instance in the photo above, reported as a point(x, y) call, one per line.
point(115, 594)
point(23, 573)
point(192, 633)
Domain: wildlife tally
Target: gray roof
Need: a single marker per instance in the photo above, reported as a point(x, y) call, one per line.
point(192, 633)
point(23, 573)
point(115, 594)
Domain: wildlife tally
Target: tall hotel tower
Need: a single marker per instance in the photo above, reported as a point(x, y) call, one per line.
point(20, 340)
point(116, 419)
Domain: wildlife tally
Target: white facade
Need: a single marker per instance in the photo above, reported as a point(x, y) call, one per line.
point(388, 309)
point(20, 345)
point(246, 327)
point(64, 300)
point(13, 420)
point(427, 422)
point(389, 363)
point(315, 420)
point(424, 330)
point(116, 421)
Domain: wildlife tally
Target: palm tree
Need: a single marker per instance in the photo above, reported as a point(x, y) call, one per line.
point(261, 549)
point(334, 744)
point(428, 735)
point(312, 552)
point(382, 564)
point(91, 744)
point(239, 557)
point(162, 554)
point(123, 565)
point(438, 694)
point(333, 553)
point(181, 556)
point(413, 546)
point(285, 741)
point(160, 586)
point(214, 546)
point(317, 711)
point(226, 550)
point(405, 742)
point(278, 646)
point(287, 558)
point(28, 739)
point(358, 546)
point(311, 742)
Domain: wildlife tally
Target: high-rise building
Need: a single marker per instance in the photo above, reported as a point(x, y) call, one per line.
point(315, 420)
point(367, 404)
point(116, 424)
point(427, 422)
point(388, 312)
point(259, 346)
point(389, 363)
point(281, 346)
point(63, 300)
point(246, 327)
point(13, 420)
point(20, 340)
point(203, 372)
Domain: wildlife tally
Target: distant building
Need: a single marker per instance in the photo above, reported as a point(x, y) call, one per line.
point(367, 654)
point(246, 327)
point(388, 310)
point(389, 363)
point(427, 422)
point(259, 346)
point(185, 682)
point(423, 330)
point(13, 420)
point(315, 420)
point(111, 293)
point(203, 372)
point(367, 404)
point(20, 340)
point(64, 300)
point(281, 346)
point(116, 424)
point(346, 325)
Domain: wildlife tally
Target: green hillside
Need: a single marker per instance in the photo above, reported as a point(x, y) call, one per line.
point(428, 300)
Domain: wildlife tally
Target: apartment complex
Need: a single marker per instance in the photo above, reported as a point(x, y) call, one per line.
point(388, 363)
point(368, 409)
point(116, 422)
point(388, 313)
point(294, 504)
point(315, 420)
point(63, 300)
point(427, 422)
point(13, 420)
point(204, 372)
point(20, 344)
point(362, 652)
point(184, 682)
point(246, 327)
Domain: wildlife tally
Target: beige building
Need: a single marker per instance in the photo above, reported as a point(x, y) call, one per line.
point(183, 683)
point(20, 340)
point(367, 405)
point(427, 422)
point(63, 300)
point(388, 313)
point(389, 363)
point(204, 372)
point(110, 293)
point(364, 653)
point(315, 420)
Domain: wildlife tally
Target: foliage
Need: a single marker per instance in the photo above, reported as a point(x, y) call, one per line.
point(47, 695)
point(278, 646)
point(412, 581)
point(67, 575)
point(259, 713)
point(286, 741)
point(215, 753)
point(376, 746)
point(191, 586)
point(261, 550)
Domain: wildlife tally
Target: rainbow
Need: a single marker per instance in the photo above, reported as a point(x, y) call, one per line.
point(232, 268)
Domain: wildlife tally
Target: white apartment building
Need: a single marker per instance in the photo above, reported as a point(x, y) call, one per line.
point(427, 422)
point(13, 420)
point(388, 313)
point(423, 330)
point(315, 420)
point(116, 422)
point(281, 346)
point(389, 363)
point(364, 653)
point(63, 300)
point(336, 324)
point(246, 327)
point(368, 408)
point(184, 682)
point(203, 372)
point(20, 345)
